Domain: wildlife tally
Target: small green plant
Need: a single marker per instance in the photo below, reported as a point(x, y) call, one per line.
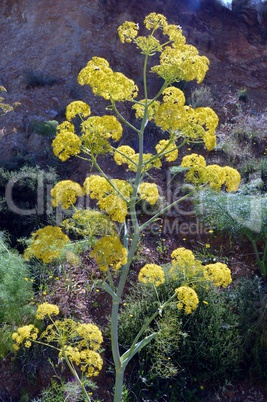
point(242, 94)
point(4, 107)
point(201, 96)
point(243, 213)
point(15, 293)
point(45, 128)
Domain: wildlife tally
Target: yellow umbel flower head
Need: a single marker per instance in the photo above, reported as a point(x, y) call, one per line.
point(155, 21)
point(46, 309)
point(112, 201)
point(47, 244)
point(168, 149)
point(91, 334)
point(219, 274)
point(109, 252)
point(77, 108)
point(183, 261)
point(128, 31)
point(151, 109)
point(66, 143)
point(96, 131)
point(196, 165)
point(149, 192)
point(24, 335)
point(65, 193)
point(152, 273)
point(187, 299)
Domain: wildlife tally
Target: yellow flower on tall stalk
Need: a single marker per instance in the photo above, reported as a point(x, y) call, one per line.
point(152, 273)
point(109, 252)
point(196, 165)
point(77, 108)
point(187, 299)
point(113, 202)
point(65, 193)
point(47, 244)
point(128, 31)
point(66, 144)
point(46, 309)
point(24, 335)
point(168, 149)
point(96, 131)
point(140, 108)
point(149, 192)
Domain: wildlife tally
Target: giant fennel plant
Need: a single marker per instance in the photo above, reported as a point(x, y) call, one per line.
point(115, 229)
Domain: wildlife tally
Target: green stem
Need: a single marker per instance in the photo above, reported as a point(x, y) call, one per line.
point(75, 374)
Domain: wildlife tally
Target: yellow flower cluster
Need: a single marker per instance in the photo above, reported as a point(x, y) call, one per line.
point(148, 45)
point(183, 260)
point(108, 198)
point(65, 193)
point(108, 251)
point(155, 21)
point(25, 335)
point(128, 31)
point(126, 154)
point(106, 83)
point(89, 223)
point(187, 299)
point(152, 273)
point(66, 143)
point(149, 192)
point(181, 63)
point(91, 335)
point(97, 130)
point(168, 149)
point(77, 108)
point(46, 309)
point(151, 109)
point(195, 124)
point(219, 274)
point(90, 362)
point(215, 175)
point(47, 244)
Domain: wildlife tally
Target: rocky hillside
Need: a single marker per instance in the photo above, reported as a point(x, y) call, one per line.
point(44, 44)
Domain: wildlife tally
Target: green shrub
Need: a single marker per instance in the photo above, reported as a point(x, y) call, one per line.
point(24, 200)
point(15, 294)
point(240, 214)
point(189, 350)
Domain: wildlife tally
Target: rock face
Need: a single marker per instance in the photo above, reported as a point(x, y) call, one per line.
point(44, 44)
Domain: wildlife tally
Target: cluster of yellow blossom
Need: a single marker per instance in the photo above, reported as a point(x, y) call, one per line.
point(152, 273)
point(183, 261)
point(96, 132)
point(168, 149)
point(89, 361)
point(126, 154)
point(89, 223)
point(66, 143)
point(47, 244)
point(109, 252)
point(112, 200)
point(219, 274)
point(128, 31)
point(106, 83)
point(149, 192)
point(25, 335)
point(46, 309)
point(215, 175)
point(194, 124)
point(151, 108)
point(77, 108)
point(77, 342)
point(65, 193)
point(187, 299)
